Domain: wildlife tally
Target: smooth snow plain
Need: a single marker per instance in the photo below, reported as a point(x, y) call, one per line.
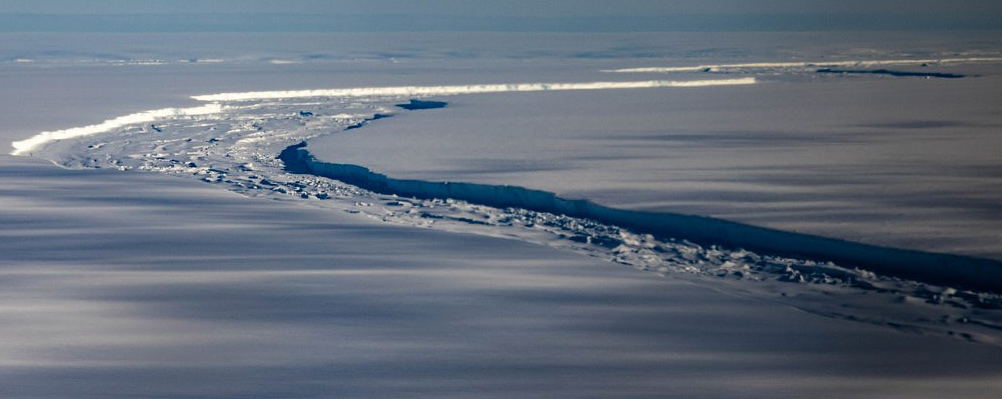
point(901, 162)
point(191, 290)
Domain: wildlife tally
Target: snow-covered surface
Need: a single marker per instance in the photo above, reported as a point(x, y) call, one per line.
point(126, 283)
point(900, 162)
point(123, 284)
point(23, 147)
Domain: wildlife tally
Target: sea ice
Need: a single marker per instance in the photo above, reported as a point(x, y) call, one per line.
point(123, 283)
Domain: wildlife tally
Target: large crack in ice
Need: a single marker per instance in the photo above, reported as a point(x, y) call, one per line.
point(237, 146)
point(922, 266)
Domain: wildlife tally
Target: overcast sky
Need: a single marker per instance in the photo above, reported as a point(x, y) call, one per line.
point(900, 13)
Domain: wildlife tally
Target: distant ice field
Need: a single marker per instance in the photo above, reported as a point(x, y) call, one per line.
point(754, 135)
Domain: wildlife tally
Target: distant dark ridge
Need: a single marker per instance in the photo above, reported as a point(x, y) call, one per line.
point(891, 73)
point(933, 268)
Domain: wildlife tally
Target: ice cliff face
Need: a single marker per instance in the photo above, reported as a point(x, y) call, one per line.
point(923, 266)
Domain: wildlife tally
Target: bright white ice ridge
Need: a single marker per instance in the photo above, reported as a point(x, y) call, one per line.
point(27, 145)
point(768, 65)
point(465, 89)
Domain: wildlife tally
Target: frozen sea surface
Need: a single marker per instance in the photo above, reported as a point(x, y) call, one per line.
point(125, 283)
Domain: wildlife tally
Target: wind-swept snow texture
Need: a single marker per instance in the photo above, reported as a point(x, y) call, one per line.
point(124, 285)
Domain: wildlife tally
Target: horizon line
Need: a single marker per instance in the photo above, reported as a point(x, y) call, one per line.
point(402, 22)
